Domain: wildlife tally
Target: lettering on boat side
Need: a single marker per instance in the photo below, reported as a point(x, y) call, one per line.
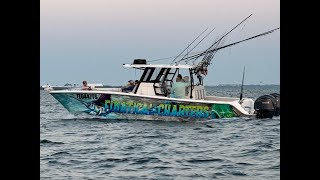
point(87, 96)
point(178, 110)
point(103, 106)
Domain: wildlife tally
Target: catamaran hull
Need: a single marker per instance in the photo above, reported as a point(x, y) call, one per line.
point(133, 107)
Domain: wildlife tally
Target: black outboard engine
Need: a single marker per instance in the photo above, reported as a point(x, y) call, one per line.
point(277, 97)
point(265, 106)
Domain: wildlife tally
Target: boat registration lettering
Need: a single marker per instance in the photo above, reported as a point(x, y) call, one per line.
point(87, 96)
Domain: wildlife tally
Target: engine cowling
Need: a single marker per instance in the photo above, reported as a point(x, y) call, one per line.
point(265, 106)
point(277, 97)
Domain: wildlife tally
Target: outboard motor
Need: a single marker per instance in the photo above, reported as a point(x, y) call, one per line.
point(265, 106)
point(277, 97)
point(248, 105)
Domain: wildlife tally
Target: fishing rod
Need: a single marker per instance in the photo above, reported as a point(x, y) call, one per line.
point(216, 49)
point(184, 55)
point(223, 36)
point(199, 54)
point(244, 69)
point(200, 41)
point(208, 54)
point(174, 56)
point(197, 43)
point(188, 46)
point(183, 50)
point(206, 60)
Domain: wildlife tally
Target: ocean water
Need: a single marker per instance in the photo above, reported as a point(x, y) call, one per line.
point(85, 147)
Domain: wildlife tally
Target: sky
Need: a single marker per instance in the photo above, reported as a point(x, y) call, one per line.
point(91, 39)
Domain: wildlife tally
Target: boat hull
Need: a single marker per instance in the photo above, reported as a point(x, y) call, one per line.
point(134, 107)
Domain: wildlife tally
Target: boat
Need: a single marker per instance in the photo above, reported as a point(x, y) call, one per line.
point(151, 98)
point(48, 87)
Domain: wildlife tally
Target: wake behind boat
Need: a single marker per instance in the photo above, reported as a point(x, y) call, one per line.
point(152, 98)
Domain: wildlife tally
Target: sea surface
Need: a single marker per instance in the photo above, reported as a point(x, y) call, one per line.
point(85, 147)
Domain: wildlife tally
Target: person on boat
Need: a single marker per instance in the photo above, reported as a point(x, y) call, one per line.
point(85, 86)
point(186, 80)
point(136, 82)
point(178, 89)
point(201, 74)
point(129, 87)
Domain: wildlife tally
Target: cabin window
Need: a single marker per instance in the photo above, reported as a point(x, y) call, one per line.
point(171, 74)
point(146, 76)
point(161, 75)
point(147, 72)
point(154, 75)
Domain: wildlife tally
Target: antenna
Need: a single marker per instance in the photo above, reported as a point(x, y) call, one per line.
point(244, 69)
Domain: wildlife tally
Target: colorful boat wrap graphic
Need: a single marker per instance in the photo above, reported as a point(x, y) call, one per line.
point(104, 104)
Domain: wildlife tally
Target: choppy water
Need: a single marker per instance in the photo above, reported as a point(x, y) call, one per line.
point(82, 147)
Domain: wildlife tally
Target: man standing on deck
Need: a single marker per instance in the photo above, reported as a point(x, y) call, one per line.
point(179, 88)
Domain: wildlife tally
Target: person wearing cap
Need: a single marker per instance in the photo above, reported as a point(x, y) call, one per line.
point(129, 87)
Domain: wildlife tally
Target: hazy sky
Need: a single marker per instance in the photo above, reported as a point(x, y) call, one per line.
point(91, 39)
